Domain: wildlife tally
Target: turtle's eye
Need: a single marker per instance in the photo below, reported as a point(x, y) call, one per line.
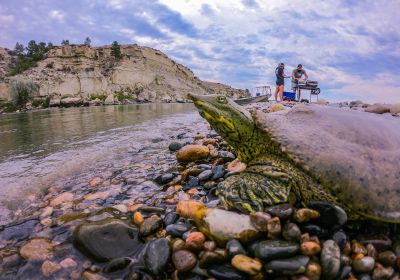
point(222, 99)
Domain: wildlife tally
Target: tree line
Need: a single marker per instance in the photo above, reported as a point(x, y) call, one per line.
point(28, 56)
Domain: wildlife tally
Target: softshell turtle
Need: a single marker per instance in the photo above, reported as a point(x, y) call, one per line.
point(318, 153)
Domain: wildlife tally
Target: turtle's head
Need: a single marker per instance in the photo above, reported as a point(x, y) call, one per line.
point(231, 121)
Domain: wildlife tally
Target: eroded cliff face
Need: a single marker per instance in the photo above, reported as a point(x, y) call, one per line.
point(79, 72)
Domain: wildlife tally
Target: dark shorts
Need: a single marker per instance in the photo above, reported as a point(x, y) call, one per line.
point(280, 82)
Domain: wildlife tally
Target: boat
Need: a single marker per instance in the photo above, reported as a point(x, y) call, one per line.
point(259, 94)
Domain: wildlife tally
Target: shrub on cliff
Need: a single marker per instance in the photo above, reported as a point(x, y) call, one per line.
point(116, 50)
point(22, 92)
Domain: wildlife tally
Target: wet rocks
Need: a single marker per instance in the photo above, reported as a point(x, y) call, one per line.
point(290, 266)
point(330, 215)
point(226, 272)
point(49, 267)
point(246, 264)
point(38, 249)
point(234, 248)
point(363, 264)
point(150, 225)
point(106, 240)
point(62, 198)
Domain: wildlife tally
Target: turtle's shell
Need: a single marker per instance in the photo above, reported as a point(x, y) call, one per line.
point(355, 155)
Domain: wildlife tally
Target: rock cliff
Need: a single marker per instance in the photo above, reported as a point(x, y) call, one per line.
point(79, 73)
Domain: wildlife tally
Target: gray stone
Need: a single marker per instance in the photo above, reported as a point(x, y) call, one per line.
point(330, 260)
point(290, 266)
point(157, 255)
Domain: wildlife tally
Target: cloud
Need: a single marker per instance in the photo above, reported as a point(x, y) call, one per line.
point(351, 47)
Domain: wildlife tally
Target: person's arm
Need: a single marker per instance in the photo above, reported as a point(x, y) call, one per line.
point(305, 75)
point(292, 76)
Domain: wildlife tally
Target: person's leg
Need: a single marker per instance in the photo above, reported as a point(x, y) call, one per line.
point(276, 93)
point(281, 92)
point(299, 94)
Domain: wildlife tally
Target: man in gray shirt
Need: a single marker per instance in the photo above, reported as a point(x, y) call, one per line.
point(296, 76)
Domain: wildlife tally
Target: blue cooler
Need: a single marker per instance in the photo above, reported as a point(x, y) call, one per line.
point(289, 95)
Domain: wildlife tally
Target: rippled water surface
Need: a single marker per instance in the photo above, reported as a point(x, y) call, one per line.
point(38, 149)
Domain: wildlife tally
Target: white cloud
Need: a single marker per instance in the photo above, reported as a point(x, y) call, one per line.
point(57, 14)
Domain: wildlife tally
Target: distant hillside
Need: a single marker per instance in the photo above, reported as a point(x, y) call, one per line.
point(77, 74)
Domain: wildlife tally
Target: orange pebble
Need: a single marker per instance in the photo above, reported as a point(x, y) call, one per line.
point(138, 218)
point(310, 248)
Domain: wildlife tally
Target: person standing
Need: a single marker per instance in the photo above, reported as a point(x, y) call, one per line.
point(296, 76)
point(280, 81)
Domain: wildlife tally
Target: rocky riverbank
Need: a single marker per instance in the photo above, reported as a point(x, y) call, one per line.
point(138, 222)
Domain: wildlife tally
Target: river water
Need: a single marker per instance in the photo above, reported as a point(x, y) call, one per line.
point(39, 149)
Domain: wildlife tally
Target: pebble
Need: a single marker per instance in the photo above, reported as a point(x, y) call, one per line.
point(381, 272)
point(291, 232)
point(387, 258)
point(49, 268)
point(62, 198)
point(234, 247)
point(246, 264)
point(209, 245)
point(226, 272)
point(157, 255)
point(330, 259)
point(177, 244)
point(218, 172)
point(116, 265)
point(96, 181)
point(205, 175)
point(184, 260)
point(191, 153)
point(363, 265)
point(68, 263)
point(209, 258)
point(176, 230)
point(138, 218)
point(313, 271)
point(38, 249)
point(304, 215)
point(195, 241)
point(274, 228)
point(282, 211)
point(47, 211)
point(275, 249)
point(236, 166)
point(290, 266)
point(175, 146)
point(310, 248)
point(330, 215)
point(150, 225)
point(170, 218)
point(227, 156)
point(87, 275)
point(340, 237)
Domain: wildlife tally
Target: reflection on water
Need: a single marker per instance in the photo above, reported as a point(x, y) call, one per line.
point(43, 148)
point(46, 131)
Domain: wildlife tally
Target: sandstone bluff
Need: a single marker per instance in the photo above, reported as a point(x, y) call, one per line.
point(77, 74)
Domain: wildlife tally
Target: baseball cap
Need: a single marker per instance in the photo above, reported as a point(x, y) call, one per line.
point(299, 65)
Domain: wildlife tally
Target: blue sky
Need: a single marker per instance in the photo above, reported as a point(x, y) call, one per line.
point(351, 47)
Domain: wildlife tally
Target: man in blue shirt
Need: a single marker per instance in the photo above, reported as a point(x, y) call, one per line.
point(296, 76)
point(280, 81)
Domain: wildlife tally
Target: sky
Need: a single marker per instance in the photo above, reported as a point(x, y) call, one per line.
point(351, 47)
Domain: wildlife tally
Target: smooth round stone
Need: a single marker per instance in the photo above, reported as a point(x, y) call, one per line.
point(310, 248)
point(107, 240)
point(184, 260)
point(346, 270)
point(20, 231)
point(150, 225)
point(205, 175)
point(209, 185)
point(275, 249)
point(364, 265)
point(387, 258)
point(340, 237)
point(246, 264)
point(177, 244)
point(208, 258)
point(289, 266)
point(48, 268)
point(166, 178)
point(314, 230)
point(37, 249)
point(227, 156)
point(274, 227)
point(364, 277)
point(234, 247)
point(157, 255)
point(195, 241)
point(116, 265)
point(209, 245)
point(291, 232)
point(218, 172)
point(313, 271)
point(330, 259)
point(174, 146)
point(304, 215)
point(170, 218)
point(226, 272)
point(177, 230)
point(330, 215)
point(282, 211)
point(192, 153)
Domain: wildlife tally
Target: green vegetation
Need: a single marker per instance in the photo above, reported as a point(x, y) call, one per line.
point(65, 43)
point(120, 95)
point(116, 50)
point(102, 97)
point(22, 92)
point(8, 107)
point(87, 42)
point(45, 103)
point(29, 56)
